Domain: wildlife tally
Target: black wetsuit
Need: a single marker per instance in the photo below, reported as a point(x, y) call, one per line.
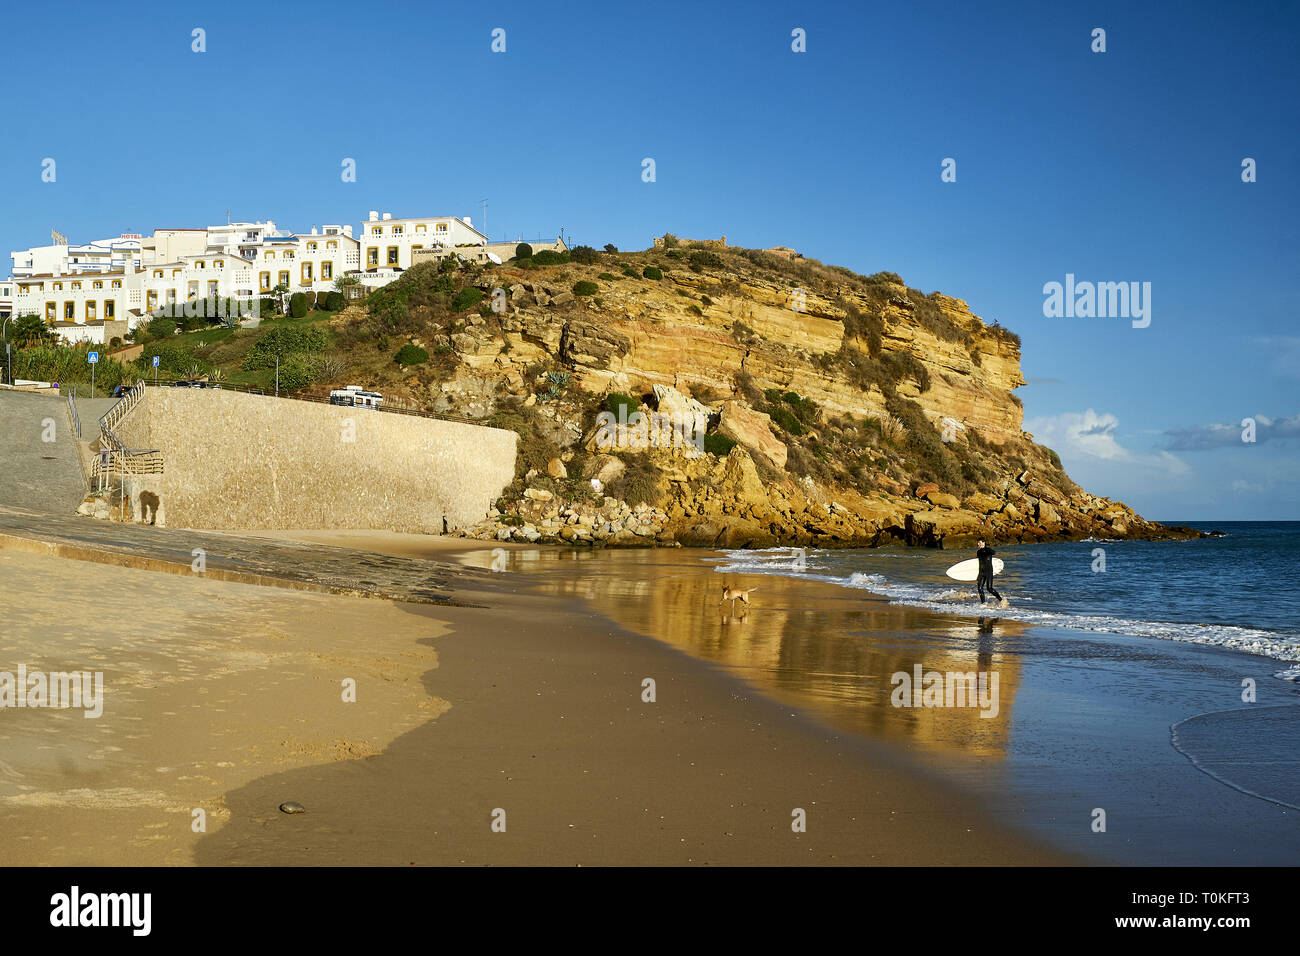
point(985, 578)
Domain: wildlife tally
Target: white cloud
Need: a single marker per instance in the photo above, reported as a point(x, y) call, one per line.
point(1089, 435)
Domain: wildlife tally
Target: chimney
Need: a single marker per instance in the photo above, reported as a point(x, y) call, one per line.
point(313, 230)
point(347, 231)
point(387, 216)
point(465, 220)
point(374, 215)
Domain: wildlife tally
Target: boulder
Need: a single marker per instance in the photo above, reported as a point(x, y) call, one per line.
point(740, 481)
point(555, 468)
point(752, 429)
point(537, 494)
point(981, 503)
point(925, 489)
point(943, 500)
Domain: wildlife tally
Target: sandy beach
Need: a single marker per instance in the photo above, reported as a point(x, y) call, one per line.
point(525, 709)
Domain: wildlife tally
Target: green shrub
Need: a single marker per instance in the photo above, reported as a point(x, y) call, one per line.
point(611, 248)
point(585, 288)
point(607, 277)
point(702, 258)
point(523, 251)
point(286, 340)
point(719, 445)
point(616, 400)
point(652, 272)
point(631, 273)
point(675, 254)
point(695, 309)
point(410, 354)
point(298, 305)
point(670, 241)
point(466, 298)
point(786, 419)
point(549, 258)
point(584, 254)
point(161, 327)
point(334, 302)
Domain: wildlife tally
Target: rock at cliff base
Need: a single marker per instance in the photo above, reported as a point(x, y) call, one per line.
point(753, 430)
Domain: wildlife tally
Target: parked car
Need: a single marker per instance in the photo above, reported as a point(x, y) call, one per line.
point(120, 391)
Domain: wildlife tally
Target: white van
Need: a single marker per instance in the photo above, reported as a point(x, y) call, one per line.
point(355, 395)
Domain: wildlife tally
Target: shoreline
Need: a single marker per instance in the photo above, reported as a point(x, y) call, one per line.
point(522, 692)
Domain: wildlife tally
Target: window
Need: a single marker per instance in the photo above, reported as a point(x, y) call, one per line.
point(90, 310)
point(284, 279)
point(192, 290)
point(376, 230)
point(332, 244)
point(327, 270)
point(440, 227)
point(151, 300)
point(264, 281)
point(69, 311)
point(117, 283)
point(157, 273)
point(392, 255)
point(110, 309)
point(397, 230)
point(58, 287)
point(311, 247)
point(214, 288)
point(268, 257)
point(219, 263)
point(97, 285)
point(50, 315)
point(421, 227)
point(76, 287)
point(372, 256)
point(287, 254)
point(306, 272)
point(200, 264)
point(175, 273)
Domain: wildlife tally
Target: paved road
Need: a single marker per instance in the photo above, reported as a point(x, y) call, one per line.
point(34, 473)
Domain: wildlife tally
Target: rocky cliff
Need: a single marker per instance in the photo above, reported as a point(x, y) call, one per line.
point(828, 408)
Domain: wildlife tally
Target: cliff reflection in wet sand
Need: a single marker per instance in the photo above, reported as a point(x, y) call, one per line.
point(822, 648)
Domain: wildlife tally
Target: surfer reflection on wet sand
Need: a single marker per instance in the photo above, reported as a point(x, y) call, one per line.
point(984, 651)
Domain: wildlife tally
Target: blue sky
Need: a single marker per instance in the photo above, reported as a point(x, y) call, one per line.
point(1115, 166)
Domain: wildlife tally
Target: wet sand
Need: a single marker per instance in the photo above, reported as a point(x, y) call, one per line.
point(528, 709)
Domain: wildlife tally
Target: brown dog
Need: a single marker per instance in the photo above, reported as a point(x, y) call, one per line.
point(736, 594)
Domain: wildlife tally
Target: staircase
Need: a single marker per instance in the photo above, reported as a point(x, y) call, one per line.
point(112, 457)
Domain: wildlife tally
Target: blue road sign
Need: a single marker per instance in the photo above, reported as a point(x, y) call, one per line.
point(92, 357)
point(155, 361)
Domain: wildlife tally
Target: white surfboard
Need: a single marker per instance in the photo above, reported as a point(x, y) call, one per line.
point(970, 570)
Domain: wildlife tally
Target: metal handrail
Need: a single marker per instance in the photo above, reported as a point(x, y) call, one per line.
point(72, 411)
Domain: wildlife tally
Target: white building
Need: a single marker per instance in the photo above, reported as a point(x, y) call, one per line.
point(387, 243)
point(81, 289)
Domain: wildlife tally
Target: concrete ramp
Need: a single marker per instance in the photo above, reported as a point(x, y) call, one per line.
point(36, 474)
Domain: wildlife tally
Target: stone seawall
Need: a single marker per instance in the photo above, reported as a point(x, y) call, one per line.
point(234, 460)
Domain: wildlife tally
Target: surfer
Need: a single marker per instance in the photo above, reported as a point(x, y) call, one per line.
point(985, 578)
